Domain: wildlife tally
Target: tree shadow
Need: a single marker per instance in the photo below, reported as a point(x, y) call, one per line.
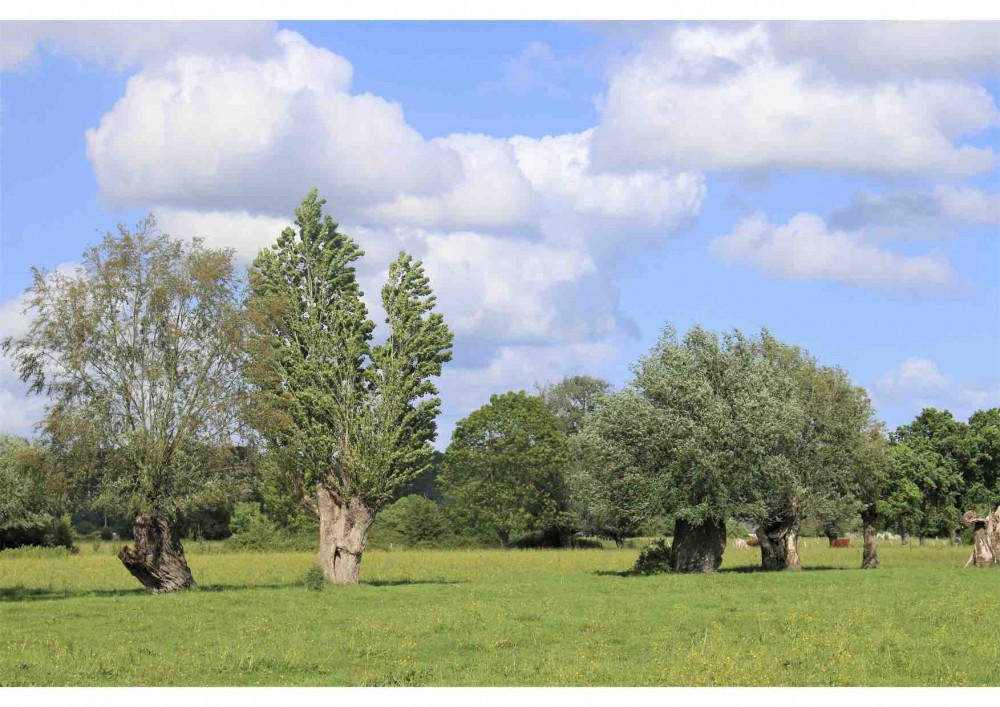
point(749, 569)
point(406, 582)
point(17, 594)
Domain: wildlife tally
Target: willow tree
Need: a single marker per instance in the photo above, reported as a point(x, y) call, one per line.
point(348, 422)
point(139, 352)
point(824, 459)
point(706, 422)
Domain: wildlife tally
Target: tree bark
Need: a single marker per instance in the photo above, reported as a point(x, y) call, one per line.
point(830, 539)
point(986, 538)
point(779, 546)
point(905, 540)
point(698, 548)
point(869, 555)
point(923, 541)
point(343, 530)
point(955, 540)
point(158, 559)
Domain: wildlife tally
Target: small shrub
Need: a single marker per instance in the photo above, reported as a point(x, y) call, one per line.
point(655, 558)
point(313, 579)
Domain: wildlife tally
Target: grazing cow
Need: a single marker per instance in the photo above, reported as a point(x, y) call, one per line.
point(741, 544)
point(753, 542)
point(841, 542)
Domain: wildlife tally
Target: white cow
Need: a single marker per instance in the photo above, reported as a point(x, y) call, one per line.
point(741, 544)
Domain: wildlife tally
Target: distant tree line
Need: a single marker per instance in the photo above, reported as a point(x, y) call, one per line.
point(188, 400)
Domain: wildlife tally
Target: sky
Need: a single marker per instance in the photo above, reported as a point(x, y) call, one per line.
point(571, 187)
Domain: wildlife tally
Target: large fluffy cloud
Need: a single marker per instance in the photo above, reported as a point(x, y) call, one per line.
point(222, 132)
point(807, 249)
point(720, 98)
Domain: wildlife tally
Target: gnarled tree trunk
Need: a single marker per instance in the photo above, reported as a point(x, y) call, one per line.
point(779, 545)
point(343, 529)
point(698, 548)
point(986, 538)
point(158, 558)
point(869, 555)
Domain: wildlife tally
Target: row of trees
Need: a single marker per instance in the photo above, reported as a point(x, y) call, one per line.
point(716, 429)
point(167, 371)
point(179, 386)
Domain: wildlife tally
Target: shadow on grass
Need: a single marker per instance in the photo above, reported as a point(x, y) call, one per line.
point(751, 569)
point(18, 594)
point(405, 582)
point(35, 594)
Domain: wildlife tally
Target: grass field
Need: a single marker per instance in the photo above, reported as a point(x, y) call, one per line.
point(504, 618)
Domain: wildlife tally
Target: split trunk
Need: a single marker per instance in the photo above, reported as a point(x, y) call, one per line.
point(779, 546)
point(986, 538)
point(869, 555)
point(158, 559)
point(343, 530)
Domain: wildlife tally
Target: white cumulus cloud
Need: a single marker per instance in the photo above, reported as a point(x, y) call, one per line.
point(718, 97)
point(221, 132)
point(806, 249)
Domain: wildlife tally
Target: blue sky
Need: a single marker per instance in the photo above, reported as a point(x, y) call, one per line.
point(571, 186)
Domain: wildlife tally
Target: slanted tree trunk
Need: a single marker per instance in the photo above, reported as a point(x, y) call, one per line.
point(869, 555)
point(698, 548)
point(779, 546)
point(343, 529)
point(986, 538)
point(158, 559)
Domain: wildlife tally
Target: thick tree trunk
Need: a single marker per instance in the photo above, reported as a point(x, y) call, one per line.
point(869, 555)
point(923, 541)
point(986, 538)
point(830, 539)
point(905, 540)
point(955, 540)
point(343, 529)
point(698, 548)
point(779, 546)
point(158, 558)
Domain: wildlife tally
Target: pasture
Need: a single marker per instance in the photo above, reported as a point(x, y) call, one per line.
point(499, 618)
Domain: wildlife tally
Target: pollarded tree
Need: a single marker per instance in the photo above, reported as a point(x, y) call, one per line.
point(140, 354)
point(348, 423)
point(835, 426)
point(716, 423)
point(506, 465)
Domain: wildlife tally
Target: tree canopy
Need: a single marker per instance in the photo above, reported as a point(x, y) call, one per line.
point(506, 465)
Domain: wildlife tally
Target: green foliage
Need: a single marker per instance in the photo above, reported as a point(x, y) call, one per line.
point(313, 579)
point(411, 522)
point(573, 398)
point(335, 409)
point(505, 468)
point(655, 558)
point(140, 353)
point(253, 530)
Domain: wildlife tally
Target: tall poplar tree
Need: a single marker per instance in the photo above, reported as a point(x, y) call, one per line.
point(349, 423)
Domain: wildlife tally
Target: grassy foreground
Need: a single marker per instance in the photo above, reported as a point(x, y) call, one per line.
point(504, 618)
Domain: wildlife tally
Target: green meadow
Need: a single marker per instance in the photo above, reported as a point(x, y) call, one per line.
point(498, 618)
